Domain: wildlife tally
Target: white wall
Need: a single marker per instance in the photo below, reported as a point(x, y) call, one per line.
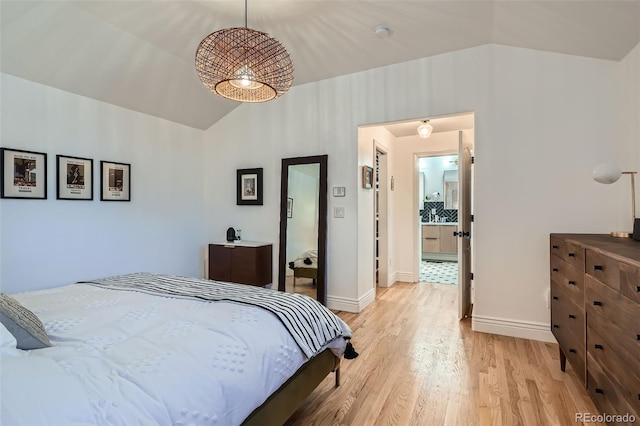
point(542, 119)
point(44, 243)
point(629, 121)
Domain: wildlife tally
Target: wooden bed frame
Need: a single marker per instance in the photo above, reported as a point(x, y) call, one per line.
point(285, 401)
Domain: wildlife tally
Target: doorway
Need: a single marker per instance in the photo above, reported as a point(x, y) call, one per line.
point(438, 198)
point(459, 192)
point(396, 147)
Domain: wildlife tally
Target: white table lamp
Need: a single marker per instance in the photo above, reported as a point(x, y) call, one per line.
point(607, 173)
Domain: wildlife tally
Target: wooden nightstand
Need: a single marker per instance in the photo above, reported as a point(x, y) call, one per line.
point(245, 262)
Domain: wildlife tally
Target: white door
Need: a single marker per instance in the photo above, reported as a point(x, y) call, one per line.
point(465, 148)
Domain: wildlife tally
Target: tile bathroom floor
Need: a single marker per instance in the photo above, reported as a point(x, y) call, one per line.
point(439, 272)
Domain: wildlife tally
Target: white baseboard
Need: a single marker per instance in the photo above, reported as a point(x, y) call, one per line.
point(514, 328)
point(405, 277)
point(351, 305)
point(391, 279)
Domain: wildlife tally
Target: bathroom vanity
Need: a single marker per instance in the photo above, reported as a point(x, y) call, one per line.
point(438, 241)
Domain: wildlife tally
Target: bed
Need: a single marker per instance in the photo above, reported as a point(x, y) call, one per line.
point(305, 266)
point(159, 349)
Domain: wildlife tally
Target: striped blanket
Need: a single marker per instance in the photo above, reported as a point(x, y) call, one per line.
point(310, 323)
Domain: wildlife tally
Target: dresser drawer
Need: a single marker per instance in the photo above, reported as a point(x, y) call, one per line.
point(621, 366)
point(604, 268)
point(567, 325)
point(607, 306)
point(604, 393)
point(569, 252)
point(568, 276)
point(630, 281)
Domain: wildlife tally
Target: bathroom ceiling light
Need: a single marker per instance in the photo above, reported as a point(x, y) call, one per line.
point(425, 129)
point(607, 173)
point(244, 65)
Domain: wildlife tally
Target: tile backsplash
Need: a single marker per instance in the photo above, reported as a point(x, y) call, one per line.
point(451, 215)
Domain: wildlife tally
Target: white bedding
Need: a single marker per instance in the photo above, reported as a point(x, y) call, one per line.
point(126, 358)
point(308, 256)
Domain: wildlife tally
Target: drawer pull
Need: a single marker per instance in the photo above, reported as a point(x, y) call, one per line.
point(573, 351)
point(600, 391)
point(597, 303)
point(638, 337)
point(556, 298)
point(638, 288)
point(572, 283)
point(572, 316)
point(597, 346)
point(554, 246)
point(572, 255)
point(556, 270)
point(598, 267)
point(556, 326)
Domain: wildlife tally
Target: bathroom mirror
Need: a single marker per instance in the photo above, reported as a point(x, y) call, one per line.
point(451, 189)
point(303, 226)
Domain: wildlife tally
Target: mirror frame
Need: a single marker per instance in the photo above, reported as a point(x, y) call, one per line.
point(321, 289)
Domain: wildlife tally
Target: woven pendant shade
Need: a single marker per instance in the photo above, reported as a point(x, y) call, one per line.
point(244, 65)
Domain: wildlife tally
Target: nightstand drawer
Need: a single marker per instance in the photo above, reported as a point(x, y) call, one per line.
point(569, 252)
point(568, 276)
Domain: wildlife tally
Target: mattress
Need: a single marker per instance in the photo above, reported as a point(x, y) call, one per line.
point(125, 357)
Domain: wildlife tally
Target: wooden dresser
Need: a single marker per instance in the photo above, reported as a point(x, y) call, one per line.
point(245, 262)
point(595, 316)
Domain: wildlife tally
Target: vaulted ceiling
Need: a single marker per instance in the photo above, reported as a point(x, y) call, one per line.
point(140, 54)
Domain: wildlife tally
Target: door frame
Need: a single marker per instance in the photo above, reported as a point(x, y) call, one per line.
point(417, 247)
point(381, 197)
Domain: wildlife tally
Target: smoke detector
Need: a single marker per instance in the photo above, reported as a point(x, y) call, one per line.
point(382, 31)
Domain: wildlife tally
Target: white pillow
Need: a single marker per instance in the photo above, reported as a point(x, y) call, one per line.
point(8, 344)
point(7, 340)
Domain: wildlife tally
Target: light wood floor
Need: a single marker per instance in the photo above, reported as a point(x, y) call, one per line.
point(303, 286)
point(419, 365)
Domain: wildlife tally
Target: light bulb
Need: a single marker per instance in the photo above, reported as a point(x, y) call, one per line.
point(245, 78)
point(425, 129)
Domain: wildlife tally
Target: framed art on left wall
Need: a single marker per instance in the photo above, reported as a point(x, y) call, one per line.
point(24, 174)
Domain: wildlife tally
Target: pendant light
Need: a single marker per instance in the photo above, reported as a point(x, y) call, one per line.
point(425, 129)
point(244, 65)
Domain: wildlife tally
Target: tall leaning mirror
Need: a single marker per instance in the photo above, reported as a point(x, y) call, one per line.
point(303, 226)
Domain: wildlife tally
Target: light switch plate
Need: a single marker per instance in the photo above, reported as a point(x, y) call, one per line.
point(338, 212)
point(339, 191)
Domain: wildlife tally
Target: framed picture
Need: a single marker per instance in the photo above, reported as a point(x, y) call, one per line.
point(367, 177)
point(249, 187)
point(289, 208)
point(74, 178)
point(115, 181)
point(24, 174)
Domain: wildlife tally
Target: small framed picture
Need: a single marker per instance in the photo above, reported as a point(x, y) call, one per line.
point(74, 178)
point(249, 187)
point(367, 177)
point(24, 174)
point(289, 208)
point(115, 181)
